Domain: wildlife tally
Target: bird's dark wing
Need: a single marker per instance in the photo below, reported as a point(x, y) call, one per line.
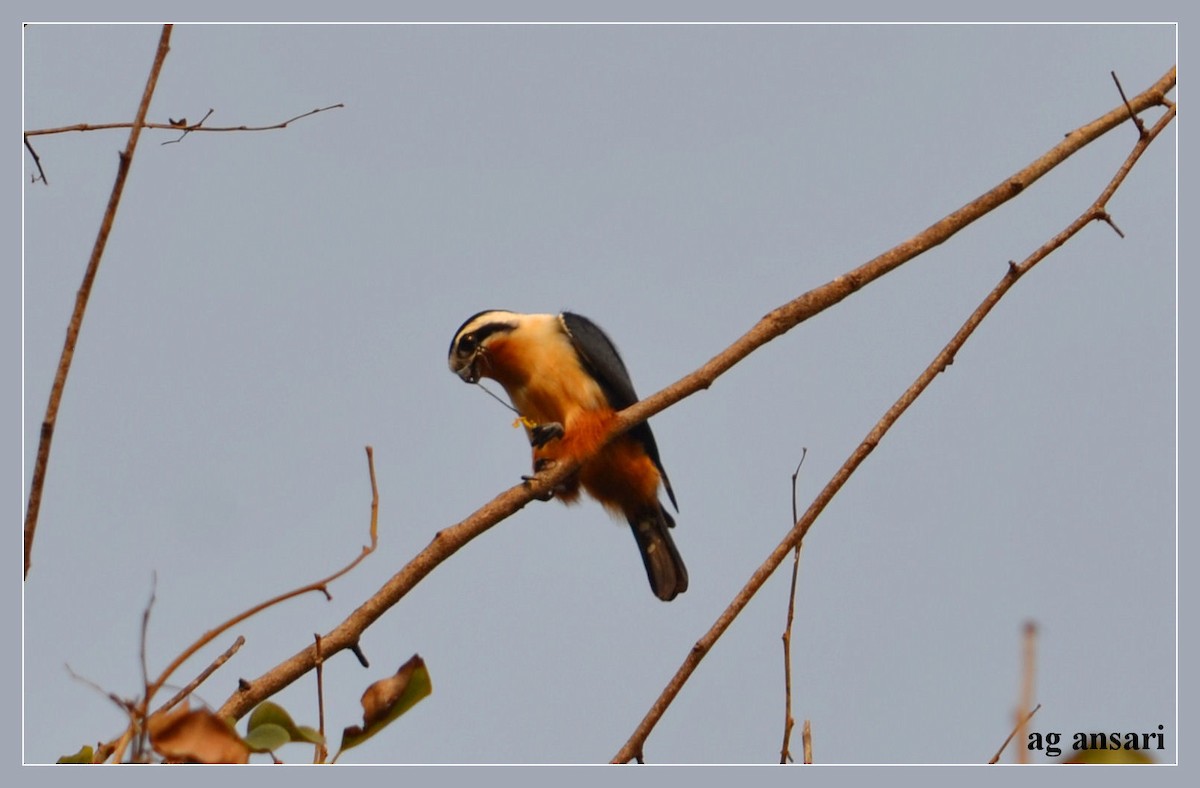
point(603, 362)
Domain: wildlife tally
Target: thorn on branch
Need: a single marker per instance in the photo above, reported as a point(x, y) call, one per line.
point(41, 176)
point(358, 652)
point(1141, 127)
point(1107, 219)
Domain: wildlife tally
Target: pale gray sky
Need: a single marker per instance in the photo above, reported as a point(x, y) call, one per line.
point(271, 302)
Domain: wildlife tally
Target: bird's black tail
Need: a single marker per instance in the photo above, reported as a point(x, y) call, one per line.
point(664, 566)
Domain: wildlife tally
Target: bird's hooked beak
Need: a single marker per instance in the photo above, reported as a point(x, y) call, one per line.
point(467, 368)
point(469, 373)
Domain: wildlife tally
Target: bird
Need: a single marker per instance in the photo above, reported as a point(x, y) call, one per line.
point(566, 381)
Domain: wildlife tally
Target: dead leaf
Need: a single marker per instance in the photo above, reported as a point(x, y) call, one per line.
point(184, 736)
point(387, 699)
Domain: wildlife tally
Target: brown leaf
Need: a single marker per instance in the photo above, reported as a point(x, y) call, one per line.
point(380, 697)
point(197, 736)
point(387, 699)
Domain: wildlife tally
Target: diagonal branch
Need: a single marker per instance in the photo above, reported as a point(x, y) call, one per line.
point(448, 541)
point(321, 585)
point(791, 314)
point(1012, 735)
point(81, 298)
point(191, 686)
point(1095, 212)
point(140, 711)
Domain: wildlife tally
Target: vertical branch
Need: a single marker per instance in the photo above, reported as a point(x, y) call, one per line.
point(81, 299)
point(139, 743)
point(321, 753)
point(1029, 659)
point(789, 722)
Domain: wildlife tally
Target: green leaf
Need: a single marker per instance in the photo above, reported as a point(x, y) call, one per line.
point(310, 735)
point(270, 727)
point(85, 755)
point(387, 699)
point(267, 738)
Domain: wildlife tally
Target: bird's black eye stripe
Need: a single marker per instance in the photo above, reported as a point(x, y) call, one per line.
point(468, 343)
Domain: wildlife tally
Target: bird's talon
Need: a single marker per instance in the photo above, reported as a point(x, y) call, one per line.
point(541, 434)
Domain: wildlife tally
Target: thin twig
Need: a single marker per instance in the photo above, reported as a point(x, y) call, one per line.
point(1141, 127)
point(121, 703)
point(788, 721)
point(1109, 221)
point(186, 128)
point(939, 364)
point(81, 299)
point(374, 499)
point(1028, 668)
point(321, 752)
point(127, 707)
point(139, 747)
point(807, 737)
point(447, 542)
point(321, 585)
point(1020, 724)
point(37, 160)
point(175, 126)
point(204, 674)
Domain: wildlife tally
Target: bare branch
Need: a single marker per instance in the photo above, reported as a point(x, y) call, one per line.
point(321, 752)
point(636, 741)
point(1141, 127)
point(794, 312)
point(186, 128)
point(318, 585)
point(1028, 668)
point(204, 674)
point(37, 160)
point(127, 707)
point(81, 299)
point(448, 541)
point(117, 700)
point(1020, 724)
point(176, 125)
point(788, 721)
point(139, 744)
point(140, 711)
